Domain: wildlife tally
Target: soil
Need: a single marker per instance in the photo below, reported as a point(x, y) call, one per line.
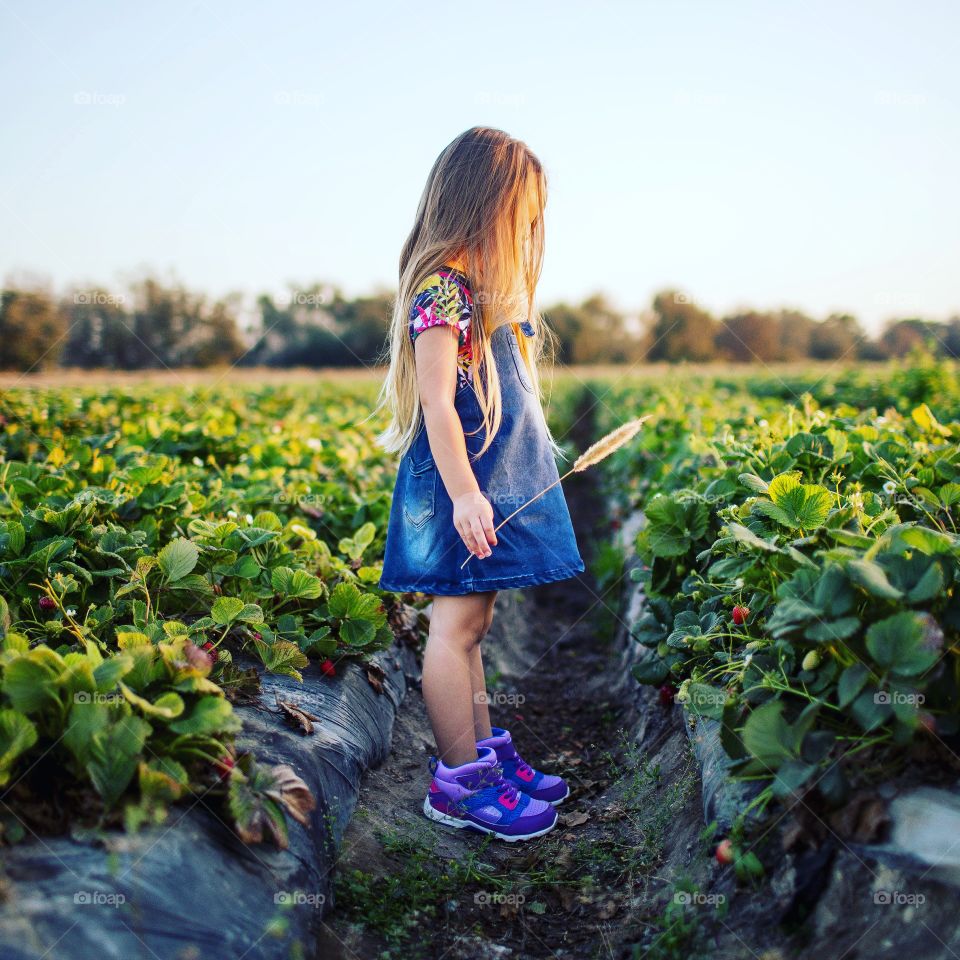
point(558, 674)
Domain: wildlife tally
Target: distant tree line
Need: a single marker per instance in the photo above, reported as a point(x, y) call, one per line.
point(156, 325)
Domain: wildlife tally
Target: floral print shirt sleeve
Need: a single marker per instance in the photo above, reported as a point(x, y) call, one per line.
point(444, 298)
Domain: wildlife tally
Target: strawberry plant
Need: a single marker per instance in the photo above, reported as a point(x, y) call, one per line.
point(148, 537)
point(801, 567)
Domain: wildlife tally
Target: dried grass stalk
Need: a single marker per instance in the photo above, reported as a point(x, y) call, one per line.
point(592, 455)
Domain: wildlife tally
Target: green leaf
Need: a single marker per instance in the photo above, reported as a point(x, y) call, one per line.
point(873, 578)
point(827, 632)
point(178, 558)
point(209, 716)
point(166, 706)
point(796, 505)
point(355, 545)
point(705, 700)
point(347, 602)
point(17, 735)
point(923, 539)
point(781, 485)
point(752, 482)
point(128, 639)
point(15, 642)
point(950, 494)
point(791, 614)
point(748, 865)
point(114, 754)
point(851, 682)
point(929, 586)
point(246, 568)
point(746, 536)
point(897, 644)
point(296, 583)
point(924, 418)
point(650, 670)
point(16, 537)
point(31, 682)
point(767, 736)
point(86, 718)
point(320, 643)
point(357, 633)
point(673, 525)
point(792, 775)
point(161, 782)
point(192, 583)
point(111, 670)
point(282, 656)
point(870, 710)
point(251, 613)
point(226, 609)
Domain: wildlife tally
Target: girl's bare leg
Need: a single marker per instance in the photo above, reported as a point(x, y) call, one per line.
point(457, 625)
point(478, 683)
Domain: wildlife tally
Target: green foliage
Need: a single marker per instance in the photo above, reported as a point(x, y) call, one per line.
point(837, 528)
point(138, 527)
point(101, 718)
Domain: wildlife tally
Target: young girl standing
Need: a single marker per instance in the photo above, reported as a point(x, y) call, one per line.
point(466, 417)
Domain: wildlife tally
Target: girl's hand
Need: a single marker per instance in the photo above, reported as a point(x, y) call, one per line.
point(473, 518)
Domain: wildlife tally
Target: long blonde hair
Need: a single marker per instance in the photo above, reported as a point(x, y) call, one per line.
point(474, 208)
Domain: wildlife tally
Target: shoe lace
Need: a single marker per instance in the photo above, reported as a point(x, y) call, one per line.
point(490, 786)
point(523, 765)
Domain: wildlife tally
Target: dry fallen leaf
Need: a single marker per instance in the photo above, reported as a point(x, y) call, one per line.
point(576, 819)
point(613, 812)
point(290, 790)
point(607, 910)
point(295, 714)
point(375, 676)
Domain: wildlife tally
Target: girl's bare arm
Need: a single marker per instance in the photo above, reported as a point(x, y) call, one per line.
point(435, 350)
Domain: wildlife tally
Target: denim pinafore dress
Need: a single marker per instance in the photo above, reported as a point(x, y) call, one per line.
point(424, 551)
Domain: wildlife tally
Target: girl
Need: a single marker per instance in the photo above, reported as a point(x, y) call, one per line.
point(463, 394)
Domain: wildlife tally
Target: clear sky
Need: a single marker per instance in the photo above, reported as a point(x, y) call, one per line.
point(752, 153)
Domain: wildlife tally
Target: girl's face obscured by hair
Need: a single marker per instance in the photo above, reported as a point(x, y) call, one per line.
point(533, 200)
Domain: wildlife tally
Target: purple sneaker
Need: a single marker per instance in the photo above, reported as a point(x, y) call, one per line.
point(476, 796)
point(539, 786)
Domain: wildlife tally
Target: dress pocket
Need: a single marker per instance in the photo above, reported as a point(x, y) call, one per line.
point(522, 373)
point(420, 491)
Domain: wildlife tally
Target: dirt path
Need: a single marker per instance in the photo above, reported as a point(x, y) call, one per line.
point(559, 678)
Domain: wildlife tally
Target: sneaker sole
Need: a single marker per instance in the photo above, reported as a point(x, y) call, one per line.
point(559, 800)
point(432, 814)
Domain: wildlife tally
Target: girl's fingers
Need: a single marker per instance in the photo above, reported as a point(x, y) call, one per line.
point(488, 530)
point(466, 536)
point(482, 549)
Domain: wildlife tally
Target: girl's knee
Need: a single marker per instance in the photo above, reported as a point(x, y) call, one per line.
point(465, 637)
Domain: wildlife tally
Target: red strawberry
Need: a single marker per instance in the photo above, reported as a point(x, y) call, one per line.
point(48, 603)
point(927, 721)
point(724, 852)
point(225, 766)
point(740, 614)
point(257, 636)
point(210, 649)
point(327, 668)
point(667, 693)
